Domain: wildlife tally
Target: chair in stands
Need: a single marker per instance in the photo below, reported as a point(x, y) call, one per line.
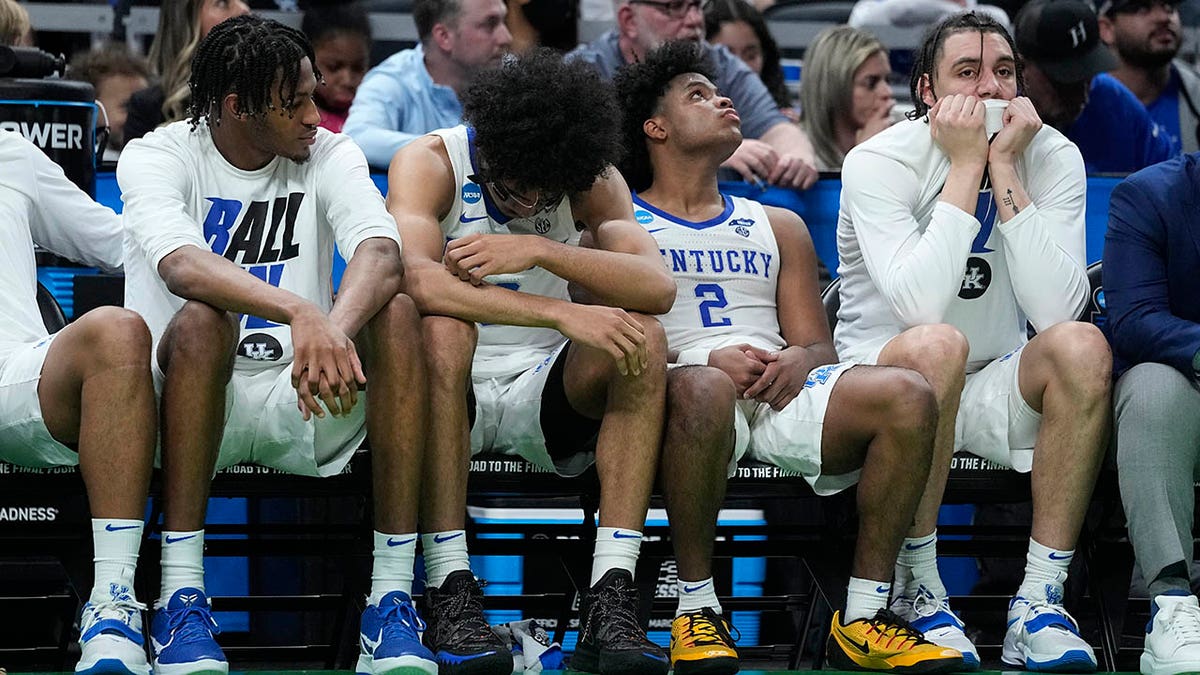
point(821, 11)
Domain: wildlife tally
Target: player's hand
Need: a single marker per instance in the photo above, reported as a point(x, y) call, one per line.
point(326, 366)
point(793, 171)
point(476, 256)
point(782, 379)
point(743, 363)
point(610, 330)
point(753, 159)
point(1021, 124)
point(956, 122)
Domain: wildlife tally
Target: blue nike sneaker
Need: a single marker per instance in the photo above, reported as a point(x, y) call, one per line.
point(389, 639)
point(459, 635)
point(111, 636)
point(182, 636)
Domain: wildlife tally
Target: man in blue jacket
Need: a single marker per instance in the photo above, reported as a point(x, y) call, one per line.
point(1151, 254)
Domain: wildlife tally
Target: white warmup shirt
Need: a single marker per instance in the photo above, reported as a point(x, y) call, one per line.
point(727, 273)
point(505, 350)
point(279, 223)
point(40, 205)
point(906, 259)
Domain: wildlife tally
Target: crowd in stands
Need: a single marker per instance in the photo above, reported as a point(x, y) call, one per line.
point(555, 273)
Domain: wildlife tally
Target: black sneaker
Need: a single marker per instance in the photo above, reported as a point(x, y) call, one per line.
point(610, 638)
point(458, 634)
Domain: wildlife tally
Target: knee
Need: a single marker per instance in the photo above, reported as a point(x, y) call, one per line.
point(656, 338)
point(449, 347)
point(908, 409)
point(398, 322)
point(1078, 356)
point(201, 332)
point(117, 337)
point(700, 406)
point(935, 350)
point(1151, 397)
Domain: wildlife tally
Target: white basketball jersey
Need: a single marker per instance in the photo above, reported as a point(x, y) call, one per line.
point(726, 270)
point(504, 350)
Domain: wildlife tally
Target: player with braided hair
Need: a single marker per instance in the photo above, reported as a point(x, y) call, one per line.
point(231, 218)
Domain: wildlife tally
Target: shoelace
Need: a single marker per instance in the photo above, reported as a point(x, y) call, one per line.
point(462, 613)
point(926, 604)
point(886, 621)
point(185, 630)
point(1184, 620)
point(1035, 607)
point(708, 628)
point(117, 610)
point(618, 603)
point(401, 620)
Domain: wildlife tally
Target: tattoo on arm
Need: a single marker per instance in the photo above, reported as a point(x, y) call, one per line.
point(1008, 201)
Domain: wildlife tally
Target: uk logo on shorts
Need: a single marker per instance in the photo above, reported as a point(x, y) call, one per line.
point(643, 217)
point(260, 347)
point(471, 193)
point(820, 375)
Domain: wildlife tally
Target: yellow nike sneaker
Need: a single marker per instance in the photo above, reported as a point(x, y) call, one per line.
point(701, 644)
point(887, 643)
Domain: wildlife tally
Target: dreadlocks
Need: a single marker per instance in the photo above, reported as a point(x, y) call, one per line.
point(925, 62)
point(640, 88)
point(247, 55)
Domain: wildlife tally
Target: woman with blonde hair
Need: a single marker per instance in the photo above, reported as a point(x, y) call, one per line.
point(845, 97)
point(181, 26)
point(15, 30)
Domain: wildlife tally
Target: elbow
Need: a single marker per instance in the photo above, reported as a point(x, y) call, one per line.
point(180, 275)
point(419, 285)
point(662, 297)
point(389, 268)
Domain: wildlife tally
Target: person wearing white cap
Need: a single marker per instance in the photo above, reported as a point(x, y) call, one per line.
point(1066, 67)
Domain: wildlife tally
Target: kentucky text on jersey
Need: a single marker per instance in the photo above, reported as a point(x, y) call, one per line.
point(718, 261)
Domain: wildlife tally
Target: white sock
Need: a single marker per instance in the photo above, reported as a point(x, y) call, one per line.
point(445, 552)
point(393, 565)
point(916, 564)
point(116, 543)
point(182, 563)
point(1045, 572)
point(865, 597)
point(616, 547)
point(696, 595)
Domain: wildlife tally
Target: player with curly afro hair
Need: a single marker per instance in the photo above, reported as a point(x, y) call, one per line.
point(563, 113)
point(492, 215)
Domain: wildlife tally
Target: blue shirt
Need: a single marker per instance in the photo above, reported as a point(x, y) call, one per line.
point(1165, 112)
point(754, 104)
point(1115, 133)
point(397, 102)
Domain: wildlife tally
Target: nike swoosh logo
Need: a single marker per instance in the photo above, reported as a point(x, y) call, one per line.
point(438, 539)
point(693, 589)
point(864, 647)
point(391, 542)
point(910, 547)
point(882, 589)
point(117, 528)
point(174, 540)
point(464, 219)
point(370, 645)
point(657, 229)
point(1061, 557)
point(622, 535)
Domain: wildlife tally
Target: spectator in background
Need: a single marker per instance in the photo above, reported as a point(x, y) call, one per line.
point(544, 23)
point(774, 150)
point(916, 13)
point(740, 27)
point(115, 74)
point(1146, 35)
point(341, 39)
point(417, 90)
point(845, 97)
point(15, 29)
point(1065, 66)
point(181, 26)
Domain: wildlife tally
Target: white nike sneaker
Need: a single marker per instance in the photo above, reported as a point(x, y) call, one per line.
point(1043, 637)
point(932, 616)
point(111, 636)
point(1173, 636)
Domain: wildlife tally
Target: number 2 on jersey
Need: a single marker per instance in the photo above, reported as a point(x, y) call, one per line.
point(715, 299)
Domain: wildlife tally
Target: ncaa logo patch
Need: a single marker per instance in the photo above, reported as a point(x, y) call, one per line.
point(260, 347)
point(643, 217)
point(976, 278)
point(471, 193)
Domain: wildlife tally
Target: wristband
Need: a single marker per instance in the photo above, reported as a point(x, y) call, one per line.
point(693, 357)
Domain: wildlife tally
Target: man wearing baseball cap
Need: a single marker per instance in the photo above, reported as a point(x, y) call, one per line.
point(1146, 36)
point(1065, 77)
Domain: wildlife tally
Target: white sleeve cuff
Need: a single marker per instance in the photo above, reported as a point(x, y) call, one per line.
point(693, 357)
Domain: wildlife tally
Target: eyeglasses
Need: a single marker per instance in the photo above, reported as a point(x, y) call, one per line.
point(676, 9)
point(545, 201)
